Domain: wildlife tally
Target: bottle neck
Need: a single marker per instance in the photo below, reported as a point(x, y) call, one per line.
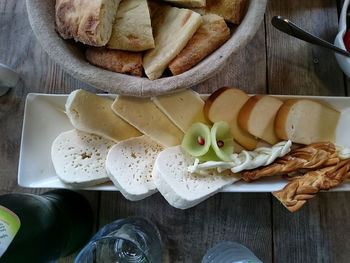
point(76, 216)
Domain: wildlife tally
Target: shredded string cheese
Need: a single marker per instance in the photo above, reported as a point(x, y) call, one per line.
point(245, 160)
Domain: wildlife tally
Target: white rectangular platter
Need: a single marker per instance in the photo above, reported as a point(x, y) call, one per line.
point(44, 120)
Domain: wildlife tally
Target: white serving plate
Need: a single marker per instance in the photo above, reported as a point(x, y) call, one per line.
point(44, 120)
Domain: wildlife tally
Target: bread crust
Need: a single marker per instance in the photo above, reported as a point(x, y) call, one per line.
point(231, 10)
point(116, 60)
point(210, 36)
point(83, 20)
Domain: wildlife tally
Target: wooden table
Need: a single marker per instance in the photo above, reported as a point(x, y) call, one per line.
point(272, 63)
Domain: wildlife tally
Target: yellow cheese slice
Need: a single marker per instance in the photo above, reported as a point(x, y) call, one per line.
point(183, 108)
point(92, 114)
point(146, 117)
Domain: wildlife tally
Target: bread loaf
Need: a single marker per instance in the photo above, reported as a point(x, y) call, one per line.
point(257, 116)
point(87, 21)
point(306, 121)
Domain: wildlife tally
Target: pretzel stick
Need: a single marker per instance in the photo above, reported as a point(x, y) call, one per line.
point(295, 194)
point(312, 156)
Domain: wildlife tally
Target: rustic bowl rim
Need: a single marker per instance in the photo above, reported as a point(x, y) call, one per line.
point(41, 18)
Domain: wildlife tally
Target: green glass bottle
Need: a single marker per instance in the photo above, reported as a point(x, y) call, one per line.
point(43, 228)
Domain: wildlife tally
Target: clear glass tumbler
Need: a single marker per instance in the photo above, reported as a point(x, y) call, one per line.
point(130, 240)
point(230, 252)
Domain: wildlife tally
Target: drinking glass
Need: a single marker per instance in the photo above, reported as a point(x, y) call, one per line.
point(8, 78)
point(130, 240)
point(230, 252)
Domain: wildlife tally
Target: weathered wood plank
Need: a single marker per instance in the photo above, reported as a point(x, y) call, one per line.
point(295, 67)
point(246, 70)
point(188, 234)
point(20, 50)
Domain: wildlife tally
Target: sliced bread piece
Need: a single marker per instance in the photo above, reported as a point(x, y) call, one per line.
point(224, 105)
point(115, 60)
point(145, 116)
point(183, 108)
point(89, 22)
point(231, 10)
point(306, 121)
point(129, 165)
point(188, 3)
point(257, 116)
point(93, 114)
point(210, 36)
point(132, 28)
point(172, 28)
point(181, 188)
point(79, 158)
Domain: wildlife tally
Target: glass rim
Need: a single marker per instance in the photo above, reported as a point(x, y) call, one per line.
point(93, 242)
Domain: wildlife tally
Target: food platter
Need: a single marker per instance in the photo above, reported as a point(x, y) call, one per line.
point(44, 120)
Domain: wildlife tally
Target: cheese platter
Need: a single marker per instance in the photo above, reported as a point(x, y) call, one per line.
point(45, 119)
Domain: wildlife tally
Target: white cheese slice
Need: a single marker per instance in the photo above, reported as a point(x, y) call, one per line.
point(181, 188)
point(183, 108)
point(79, 158)
point(129, 165)
point(146, 117)
point(92, 114)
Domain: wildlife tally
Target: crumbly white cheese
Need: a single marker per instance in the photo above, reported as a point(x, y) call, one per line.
point(343, 152)
point(245, 160)
point(129, 165)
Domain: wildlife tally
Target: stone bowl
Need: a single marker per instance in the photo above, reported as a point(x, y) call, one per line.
point(70, 56)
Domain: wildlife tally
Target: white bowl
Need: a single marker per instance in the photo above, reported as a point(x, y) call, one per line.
point(343, 61)
point(41, 15)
